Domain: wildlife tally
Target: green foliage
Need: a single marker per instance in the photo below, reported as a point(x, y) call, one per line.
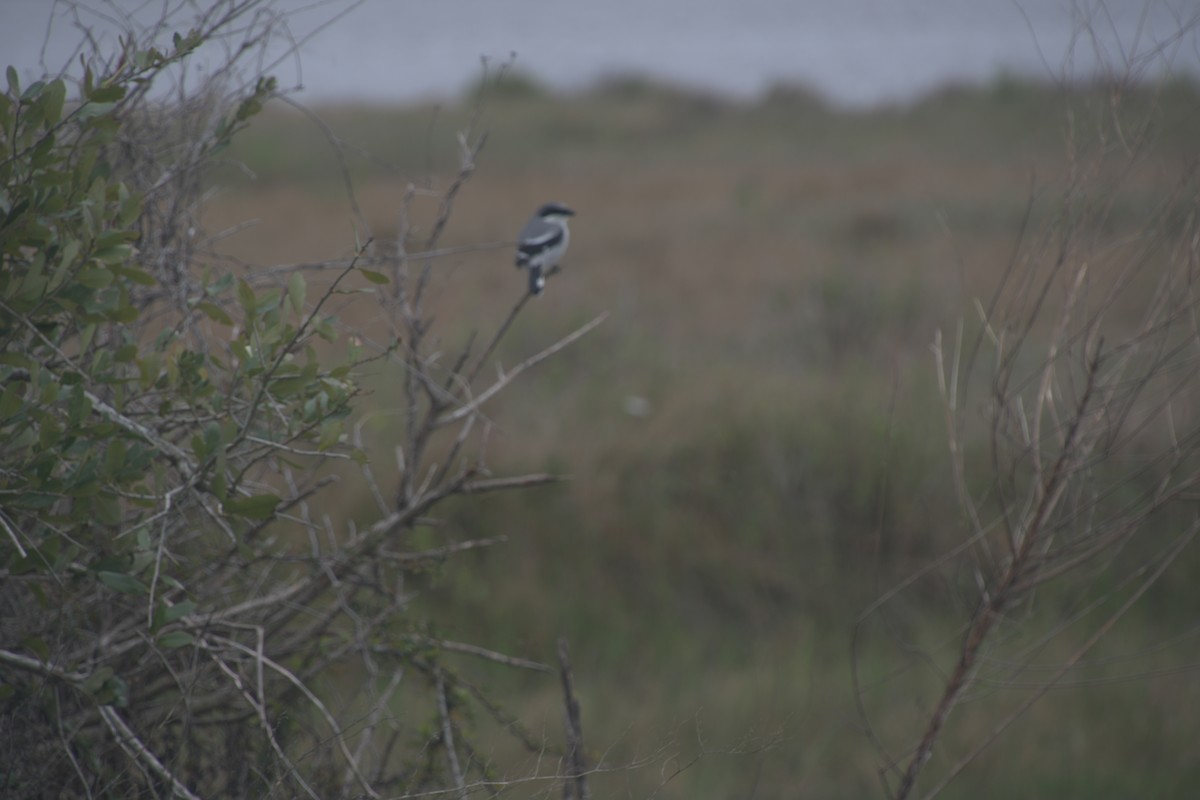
point(138, 415)
point(77, 371)
point(173, 618)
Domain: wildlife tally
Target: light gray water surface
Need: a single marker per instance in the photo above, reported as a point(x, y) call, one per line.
point(854, 52)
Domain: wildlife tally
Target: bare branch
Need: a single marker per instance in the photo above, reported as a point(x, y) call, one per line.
point(138, 751)
point(473, 405)
point(576, 784)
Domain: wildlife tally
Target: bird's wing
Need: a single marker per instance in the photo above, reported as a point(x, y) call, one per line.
point(538, 235)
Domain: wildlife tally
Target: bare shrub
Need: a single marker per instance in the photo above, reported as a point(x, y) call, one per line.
point(177, 616)
point(1071, 404)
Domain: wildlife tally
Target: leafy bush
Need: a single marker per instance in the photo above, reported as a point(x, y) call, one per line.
point(175, 618)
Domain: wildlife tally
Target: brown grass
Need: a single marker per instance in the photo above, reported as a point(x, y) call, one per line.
point(774, 277)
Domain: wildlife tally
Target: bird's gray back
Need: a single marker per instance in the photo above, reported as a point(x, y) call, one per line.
point(537, 229)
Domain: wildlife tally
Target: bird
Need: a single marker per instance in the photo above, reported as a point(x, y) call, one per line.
point(542, 243)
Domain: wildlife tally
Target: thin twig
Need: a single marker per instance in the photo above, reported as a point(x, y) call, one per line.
point(448, 737)
point(503, 329)
point(474, 404)
point(137, 750)
point(576, 784)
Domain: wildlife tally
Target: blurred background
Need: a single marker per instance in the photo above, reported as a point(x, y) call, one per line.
point(858, 53)
point(779, 205)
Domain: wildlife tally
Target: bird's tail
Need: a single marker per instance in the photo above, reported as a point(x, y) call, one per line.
point(537, 281)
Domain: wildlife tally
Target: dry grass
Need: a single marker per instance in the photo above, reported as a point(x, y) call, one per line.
point(774, 275)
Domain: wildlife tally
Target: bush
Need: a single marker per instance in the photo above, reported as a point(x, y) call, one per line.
point(176, 620)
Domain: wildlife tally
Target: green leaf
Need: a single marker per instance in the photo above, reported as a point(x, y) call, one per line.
point(212, 437)
point(49, 433)
point(116, 254)
point(131, 208)
point(70, 252)
point(174, 584)
point(199, 448)
point(14, 84)
point(296, 289)
point(124, 314)
point(115, 692)
point(14, 359)
point(175, 639)
point(259, 506)
point(38, 647)
point(92, 110)
point(106, 687)
point(65, 266)
point(33, 90)
point(97, 679)
point(107, 94)
point(35, 281)
point(12, 401)
point(56, 93)
point(179, 611)
point(246, 296)
point(222, 285)
point(94, 277)
point(375, 277)
point(114, 563)
point(248, 108)
point(134, 274)
point(268, 300)
point(148, 369)
point(331, 434)
point(79, 406)
point(86, 336)
point(165, 614)
point(325, 329)
point(215, 313)
point(288, 386)
point(107, 509)
point(126, 584)
point(114, 455)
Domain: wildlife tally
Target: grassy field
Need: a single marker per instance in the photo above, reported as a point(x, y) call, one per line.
point(754, 438)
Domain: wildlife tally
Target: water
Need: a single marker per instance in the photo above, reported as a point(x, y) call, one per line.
point(855, 52)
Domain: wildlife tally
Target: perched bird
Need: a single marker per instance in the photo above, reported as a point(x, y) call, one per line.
point(542, 242)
